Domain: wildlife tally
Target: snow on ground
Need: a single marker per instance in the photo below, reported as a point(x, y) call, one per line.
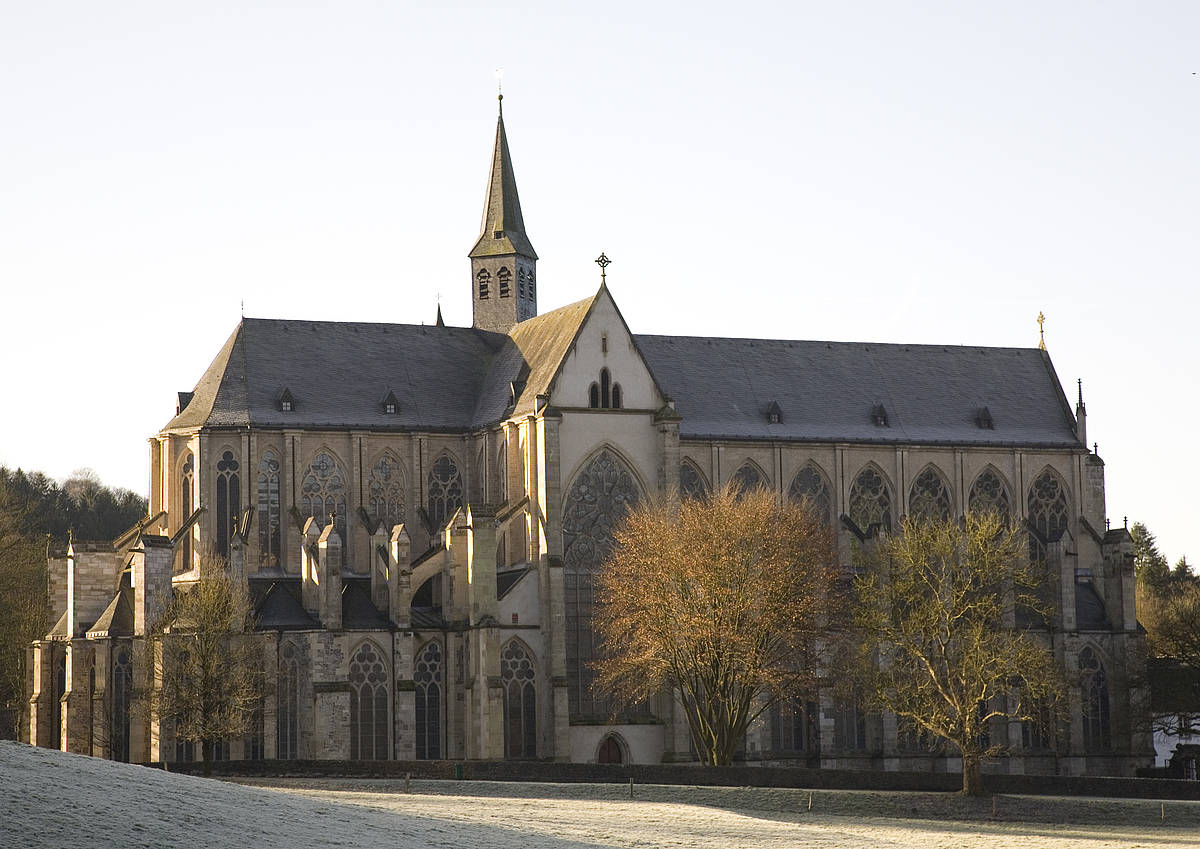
point(51, 799)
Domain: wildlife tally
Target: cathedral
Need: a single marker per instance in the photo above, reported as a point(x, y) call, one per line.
point(418, 513)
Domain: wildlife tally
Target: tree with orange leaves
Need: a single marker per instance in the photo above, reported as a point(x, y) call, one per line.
point(726, 600)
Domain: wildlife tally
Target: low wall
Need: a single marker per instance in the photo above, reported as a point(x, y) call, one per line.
point(733, 776)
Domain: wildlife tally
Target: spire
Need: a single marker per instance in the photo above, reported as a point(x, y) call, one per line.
point(440, 322)
point(503, 228)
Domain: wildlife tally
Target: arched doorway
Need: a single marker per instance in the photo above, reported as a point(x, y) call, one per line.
point(610, 751)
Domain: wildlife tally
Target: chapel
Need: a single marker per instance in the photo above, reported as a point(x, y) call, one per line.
point(419, 511)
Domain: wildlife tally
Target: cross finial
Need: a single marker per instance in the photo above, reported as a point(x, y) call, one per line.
point(499, 72)
point(604, 262)
point(1041, 320)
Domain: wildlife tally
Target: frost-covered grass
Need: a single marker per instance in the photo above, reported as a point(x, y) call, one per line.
point(50, 799)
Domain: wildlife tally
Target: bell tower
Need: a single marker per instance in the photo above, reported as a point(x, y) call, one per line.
point(503, 262)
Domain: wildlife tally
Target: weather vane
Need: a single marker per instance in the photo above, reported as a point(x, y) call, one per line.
point(499, 72)
point(604, 263)
point(1041, 319)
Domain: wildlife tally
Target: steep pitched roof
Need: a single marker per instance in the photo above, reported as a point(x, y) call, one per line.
point(337, 372)
point(503, 228)
point(827, 390)
point(117, 618)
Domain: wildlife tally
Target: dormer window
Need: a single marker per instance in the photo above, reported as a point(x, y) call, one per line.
point(485, 278)
point(879, 415)
point(286, 403)
point(983, 419)
point(504, 279)
point(774, 413)
point(391, 405)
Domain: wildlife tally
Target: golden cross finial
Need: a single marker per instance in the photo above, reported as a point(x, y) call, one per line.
point(1041, 319)
point(604, 262)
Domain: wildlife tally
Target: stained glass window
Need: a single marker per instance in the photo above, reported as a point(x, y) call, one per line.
point(445, 490)
point(1093, 695)
point(368, 705)
point(870, 502)
point(520, 701)
point(323, 491)
point(691, 482)
point(929, 497)
point(808, 486)
point(386, 491)
point(989, 495)
point(597, 502)
point(1047, 513)
point(749, 478)
point(122, 683)
point(268, 508)
point(229, 501)
point(287, 695)
point(794, 726)
point(427, 675)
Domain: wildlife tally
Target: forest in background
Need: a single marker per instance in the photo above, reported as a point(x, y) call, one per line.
point(38, 514)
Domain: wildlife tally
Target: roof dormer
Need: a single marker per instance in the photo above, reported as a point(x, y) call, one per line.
point(774, 414)
point(390, 404)
point(983, 419)
point(879, 416)
point(285, 402)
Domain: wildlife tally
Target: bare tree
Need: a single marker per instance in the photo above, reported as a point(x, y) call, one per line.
point(207, 660)
point(941, 649)
point(724, 600)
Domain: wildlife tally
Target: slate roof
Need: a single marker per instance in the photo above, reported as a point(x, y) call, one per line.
point(280, 608)
point(827, 390)
point(117, 618)
point(1089, 609)
point(456, 379)
point(503, 228)
point(359, 613)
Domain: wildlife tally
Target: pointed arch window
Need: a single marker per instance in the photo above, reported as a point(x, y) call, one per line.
point(616, 396)
point(287, 703)
point(749, 478)
point(794, 726)
point(691, 482)
point(870, 502)
point(229, 501)
point(484, 278)
point(1093, 695)
point(445, 490)
point(386, 491)
point(187, 480)
point(122, 684)
point(849, 725)
point(323, 492)
point(268, 508)
point(594, 396)
point(929, 497)
point(502, 473)
point(520, 701)
point(809, 487)
point(368, 705)
point(989, 495)
point(427, 675)
point(597, 501)
point(1047, 513)
point(504, 281)
point(605, 388)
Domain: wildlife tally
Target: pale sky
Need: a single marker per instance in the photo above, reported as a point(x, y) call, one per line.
point(891, 172)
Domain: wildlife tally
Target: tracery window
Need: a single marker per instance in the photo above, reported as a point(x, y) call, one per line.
point(484, 277)
point(122, 685)
point(929, 497)
point(229, 501)
point(287, 704)
point(368, 705)
point(268, 508)
point(1093, 695)
point(445, 490)
point(186, 506)
point(849, 726)
point(385, 491)
point(794, 726)
point(504, 280)
point(989, 495)
point(808, 486)
point(427, 675)
point(597, 501)
point(520, 701)
point(870, 502)
point(749, 478)
point(691, 482)
point(1047, 513)
point(323, 492)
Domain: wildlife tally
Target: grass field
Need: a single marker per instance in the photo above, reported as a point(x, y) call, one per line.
point(50, 799)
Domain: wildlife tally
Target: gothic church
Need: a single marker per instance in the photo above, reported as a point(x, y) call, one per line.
point(419, 511)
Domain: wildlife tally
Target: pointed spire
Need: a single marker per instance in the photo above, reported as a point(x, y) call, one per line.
point(440, 322)
point(503, 228)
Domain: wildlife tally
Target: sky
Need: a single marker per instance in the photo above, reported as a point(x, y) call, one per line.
point(860, 171)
